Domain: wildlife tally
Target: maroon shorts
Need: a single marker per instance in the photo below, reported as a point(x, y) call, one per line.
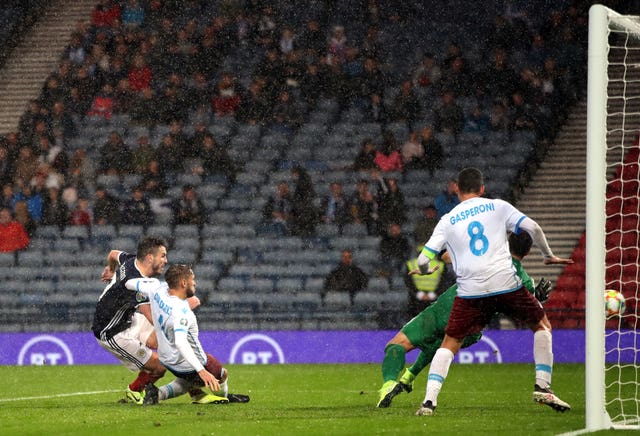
point(470, 315)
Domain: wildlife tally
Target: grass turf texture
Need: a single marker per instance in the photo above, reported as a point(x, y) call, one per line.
point(289, 399)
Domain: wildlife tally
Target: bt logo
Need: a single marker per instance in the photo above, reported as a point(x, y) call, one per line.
point(485, 351)
point(256, 349)
point(45, 350)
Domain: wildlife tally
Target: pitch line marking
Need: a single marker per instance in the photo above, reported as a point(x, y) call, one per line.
point(44, 397)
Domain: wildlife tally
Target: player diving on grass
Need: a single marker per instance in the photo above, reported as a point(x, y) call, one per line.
point(426, 330)
point(179, 348)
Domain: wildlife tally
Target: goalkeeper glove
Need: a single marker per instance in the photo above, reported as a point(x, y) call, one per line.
point(543, 290)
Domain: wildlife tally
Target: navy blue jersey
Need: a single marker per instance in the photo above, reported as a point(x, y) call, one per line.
point(117, 304)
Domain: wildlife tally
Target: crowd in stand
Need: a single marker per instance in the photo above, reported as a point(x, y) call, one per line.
point(167, 63)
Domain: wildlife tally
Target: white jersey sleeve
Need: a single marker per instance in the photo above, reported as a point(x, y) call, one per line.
point(475, 235)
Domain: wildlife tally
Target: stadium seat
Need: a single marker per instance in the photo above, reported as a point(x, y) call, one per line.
point(7, 259)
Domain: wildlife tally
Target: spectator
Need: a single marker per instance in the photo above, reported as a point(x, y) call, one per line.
point(449, 116)
point(375, 109)
point(144, 108)
point(189, 209)
point(115, 156)
point(287, 113)
point(6, 166)
point(365, 160)
point(33, 199)
point(59, 119)
point(26, 165)
point(394, 251)
point(105, 14)
point(13, 236)
point(425, 225)
point(312, 84)
point(521, 113)
point(140, 74)
point(6, 200)
point(55, 211)
point(133, 14)
point(447, 199)
point(346, 277)
point(304, 217)
point(277, 211)
point(106, 208)
point(103, 103)
point(405, 105)
point(499, 117)
point(412, 152)
point(391, 206)
point(477, 121)
point(81, 215)
point(335, 207)
point(456, 78)
point(137, 209)
point(312, 40)
point(170, 157)
point(433, 152)
point(364, 209)
point(82, 168)
point(254, 109)
point(388, 157)
point(226, 96)
point(337, 49)
point(53, 155)
point(153, 180)
point(142, 154)
point(215, 159)
point(21, 215)
point(427, 74)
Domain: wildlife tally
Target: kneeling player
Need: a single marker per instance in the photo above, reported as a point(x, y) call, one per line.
point(426, 330)
point(179, 348)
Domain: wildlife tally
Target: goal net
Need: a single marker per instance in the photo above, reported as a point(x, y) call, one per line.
point(613, 257)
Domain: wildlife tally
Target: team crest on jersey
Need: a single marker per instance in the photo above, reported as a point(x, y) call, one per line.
point(141, 352)
point(140, 297)
point(183, 321)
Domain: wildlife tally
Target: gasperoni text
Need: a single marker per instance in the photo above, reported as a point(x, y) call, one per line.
point(471, 212)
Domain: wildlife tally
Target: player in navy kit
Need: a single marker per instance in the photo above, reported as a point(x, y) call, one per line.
point(122, 320)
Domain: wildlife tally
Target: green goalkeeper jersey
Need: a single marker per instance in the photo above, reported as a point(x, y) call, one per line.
point(426, 330)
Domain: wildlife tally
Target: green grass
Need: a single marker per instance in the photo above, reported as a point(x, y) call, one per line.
point(289, 399)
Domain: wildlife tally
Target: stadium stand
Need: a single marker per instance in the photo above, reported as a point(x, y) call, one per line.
point(249, 278)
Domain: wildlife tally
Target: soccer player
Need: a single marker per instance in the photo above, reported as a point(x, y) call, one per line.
point(179, 348)
point(119, 322)
point(475, 234)
point(426, 330)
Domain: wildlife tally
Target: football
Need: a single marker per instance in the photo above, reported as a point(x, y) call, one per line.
point(613, 303)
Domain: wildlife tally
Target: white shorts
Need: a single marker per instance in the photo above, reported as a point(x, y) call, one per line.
point(130, 346)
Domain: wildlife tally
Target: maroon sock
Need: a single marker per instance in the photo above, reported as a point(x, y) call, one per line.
point(141, 381)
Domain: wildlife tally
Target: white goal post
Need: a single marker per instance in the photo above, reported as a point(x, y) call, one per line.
point(612, 126)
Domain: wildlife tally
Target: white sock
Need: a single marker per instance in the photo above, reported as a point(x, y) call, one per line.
point(224, 388)
point(543, 357)
point(174, 389)
point(437, 373)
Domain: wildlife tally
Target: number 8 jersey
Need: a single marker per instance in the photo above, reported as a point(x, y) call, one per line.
point(475, 235)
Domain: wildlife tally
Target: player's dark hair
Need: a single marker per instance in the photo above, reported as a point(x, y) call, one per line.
point(177, 272)
point(470, 180)
point(520, 244)
point(149, 245)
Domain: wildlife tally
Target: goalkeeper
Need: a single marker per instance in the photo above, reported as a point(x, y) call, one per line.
point(426, 330)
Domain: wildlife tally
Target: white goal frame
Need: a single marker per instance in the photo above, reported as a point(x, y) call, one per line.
point(601, 19)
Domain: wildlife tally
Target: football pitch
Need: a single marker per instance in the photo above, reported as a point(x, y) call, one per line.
point(288, 400)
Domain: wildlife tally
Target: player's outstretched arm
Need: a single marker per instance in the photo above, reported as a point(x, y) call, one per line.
point(555, 260)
